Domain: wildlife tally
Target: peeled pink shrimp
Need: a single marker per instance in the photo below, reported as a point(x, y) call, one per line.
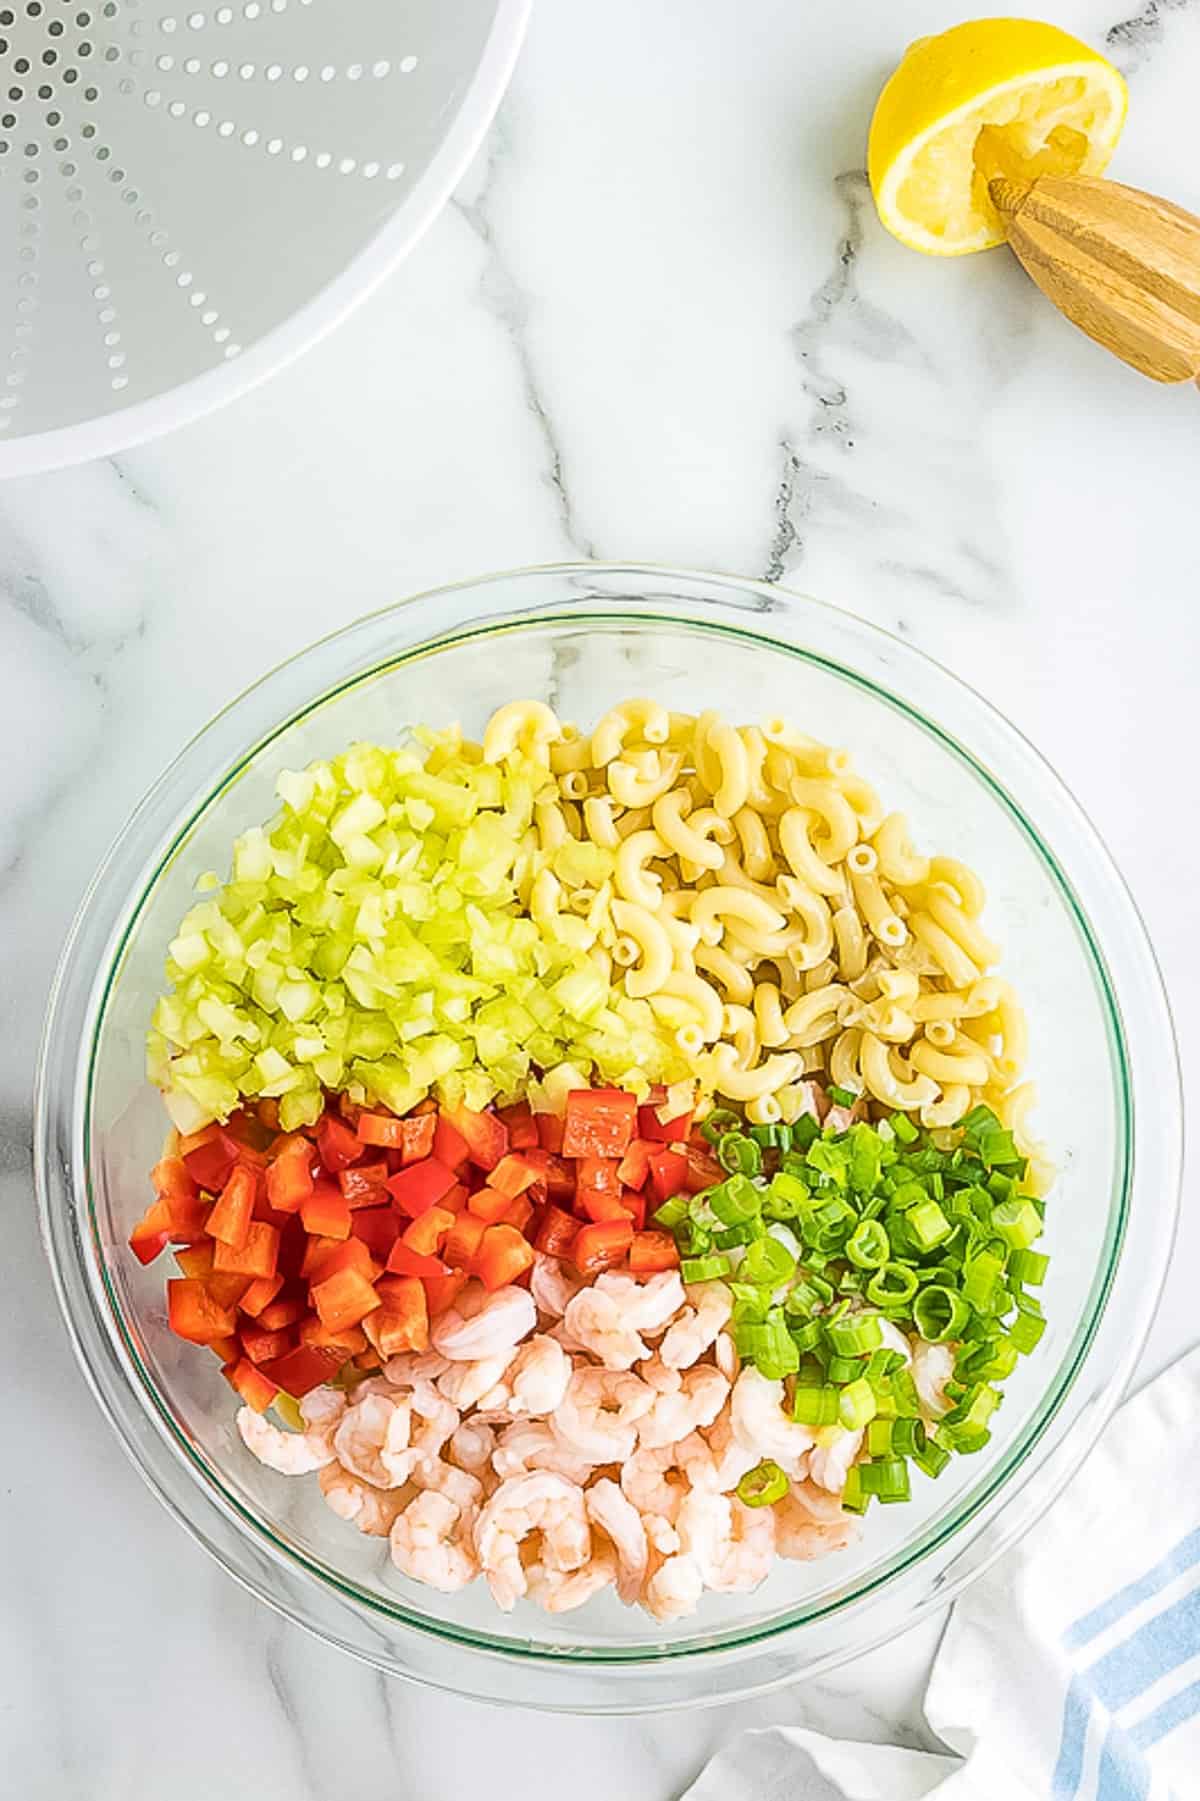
point(684, 1401)
point(295, 1453)
point(733, 1544)
point(373, 1510)
point(761, 1425)
point(608, 1317)
point(471, 1446)
point(608, 1508)
point(483, 1325)
point(553, 1285)
point(465, 1384)
point(535, 1445)
point(431, 1541)
point(932, 1368)
point(801, 1536)
point(698, 1327)
point(542, 1504)
point(674, 1588)
point(597, 1417)
point(534, 1383)
point(558, 1591)
point(372, 1441)
point(646, 1484)
point(829, 1463)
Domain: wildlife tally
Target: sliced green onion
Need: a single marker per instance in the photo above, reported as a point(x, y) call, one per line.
point(735, 1200)
point(892, 1286)
point(842, 1097)
point(855, 1335)
point(767, 1262)
point(879, 1437)
point(939, 1313)
point(704, 1269)
point(846, 1369)
point(807, 1336)
point(931, 1458)
point(720, 1121)
point(855, 1499)
point(672, 1212)
point(1028, 1266)
point(771, 1347)
point(1026, 1332)
point(1017, 1223)
point(739, 1155)
point(903, 1127)
point(732, 1236)
point(887, 1479)
point(980, 1279)
point(817, 1406)
point(856, 1404)
point(763, 1485)
point(927, 1224)
point(868, 1246)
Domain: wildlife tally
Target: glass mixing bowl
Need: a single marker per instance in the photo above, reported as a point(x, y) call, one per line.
point(581, 638)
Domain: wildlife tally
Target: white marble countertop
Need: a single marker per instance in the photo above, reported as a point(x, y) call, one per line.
point(660, 322)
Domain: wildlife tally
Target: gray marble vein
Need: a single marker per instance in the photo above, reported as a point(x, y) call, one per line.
point(1131, 42)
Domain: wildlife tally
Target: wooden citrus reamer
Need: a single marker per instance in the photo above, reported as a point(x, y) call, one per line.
point(1122, 265)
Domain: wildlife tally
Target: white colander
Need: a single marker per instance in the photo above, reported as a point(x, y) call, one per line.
point(191, 194)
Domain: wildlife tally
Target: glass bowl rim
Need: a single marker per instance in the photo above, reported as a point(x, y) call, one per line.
point(1003, 1478)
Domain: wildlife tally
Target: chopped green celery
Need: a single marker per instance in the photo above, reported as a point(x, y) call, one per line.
point(383, 899)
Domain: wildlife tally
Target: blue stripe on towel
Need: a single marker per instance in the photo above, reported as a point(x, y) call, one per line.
point(1176, 1712)
point(1162, 1644)
point(1176, 1561)
point(1123, 1773)
point(1069, 1767)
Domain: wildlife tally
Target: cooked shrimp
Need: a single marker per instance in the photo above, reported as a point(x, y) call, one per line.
point(459, 1486)
point(674, 1589)
point(373, 1438)
point(732, 1544)
point(608, 1317)
point(371, 1509)
point(597, 1416)
point(698, 1326)
point(439, 1417)
point(726, 1358)
point(415, 1366)
point(558, 1591)
point(830, 1459)
point(817, 1503)
point(465, 1384)
point(534, 1445)
point(553, 1285)
point(800, 1536)
point(431, 1541)
point(646, 1484)
point(684, 1401)
point(761, 1425)
point(730, 1460)
point(482, 1325)
point(295, 1453)
point(608, 1508)
point(471, 1446)
point(534, 1382)
point(932, 1368)
point(542, 1504)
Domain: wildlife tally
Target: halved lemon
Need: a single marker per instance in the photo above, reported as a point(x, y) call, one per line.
point(993, 97)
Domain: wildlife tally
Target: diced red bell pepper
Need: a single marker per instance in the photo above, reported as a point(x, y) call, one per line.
point(503, 1256)
point(366, 1184)
point(262, 1346)
point(257, 1257)
point(522, 1127)
point(668, 1172)
point(303, 1369)
point(350, 1253)
point(556, 1232)
point(326, 1211)
point(428, 1230)
point(250, 1135)
point(442, 1291)
point(456, 1200)
point(550, 1129)
point(635, 1206)
point(402, 1322)
point(152, 1233)
point(344, 1299)
point(233, 1209)
point(314, 1251)
point(449, 1146)
point(519, 1214)
point(463, 1240)
point(634, 1167)
point(489, 1204)
point(383, 1130)
point(670, 1131)
point(189, 1216)
point(282, 1313)
point(597, 1190)
point(652, 1251)
point(194, 1314)
point(486, 1136)
point(514, 1174)
point(405, 1262)
point(255, 1388)
point(196, 1259)
point(378, 1228)
point(339, 1144)
point(289, 1174)
point(348, 1340)
point(557, 1173)
point(703, 1170)
point(368, 1360)
point(212, 1155)
point(171, 1180)
point(226, 1287)
point(267, 1113)
point(599, 1122)
point(602, 1245)
point(260, 1294)
point(420, 1186)
point(225, 1350)
point(417, 1137)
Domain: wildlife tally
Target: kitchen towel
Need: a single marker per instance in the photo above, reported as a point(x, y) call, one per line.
point(1071, 1671)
